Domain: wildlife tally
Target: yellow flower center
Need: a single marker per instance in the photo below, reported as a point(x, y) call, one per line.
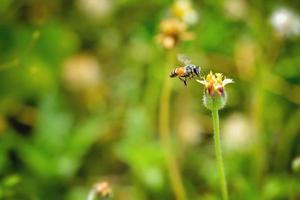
point(214, 83)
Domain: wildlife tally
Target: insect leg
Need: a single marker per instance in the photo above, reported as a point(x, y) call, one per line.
point(183, 79)
point(185, 82)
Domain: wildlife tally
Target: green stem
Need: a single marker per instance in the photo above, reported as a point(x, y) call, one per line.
point(223, 184)
point(165, 136)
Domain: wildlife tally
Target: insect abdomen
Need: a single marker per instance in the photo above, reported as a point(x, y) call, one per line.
point(173, 73)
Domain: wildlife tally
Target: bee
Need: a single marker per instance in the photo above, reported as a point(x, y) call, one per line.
point(187, 71)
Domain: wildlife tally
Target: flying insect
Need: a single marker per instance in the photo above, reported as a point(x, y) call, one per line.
point(187, 71)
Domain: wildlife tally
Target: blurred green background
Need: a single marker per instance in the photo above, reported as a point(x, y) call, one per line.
point(80, 85)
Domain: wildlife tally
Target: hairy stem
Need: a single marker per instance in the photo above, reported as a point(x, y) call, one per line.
point(223, 184)
point(165, 137)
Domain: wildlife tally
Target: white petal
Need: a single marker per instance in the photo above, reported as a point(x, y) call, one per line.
point(227, 81)
point(201, 81)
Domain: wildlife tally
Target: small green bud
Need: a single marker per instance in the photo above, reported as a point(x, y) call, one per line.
point(215, 101)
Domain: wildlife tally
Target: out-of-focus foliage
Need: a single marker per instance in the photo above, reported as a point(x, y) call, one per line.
point(80, 85)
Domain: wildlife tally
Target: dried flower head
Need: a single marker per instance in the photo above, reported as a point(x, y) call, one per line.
point(172, 31)
point(183, 9)
point(214, 90)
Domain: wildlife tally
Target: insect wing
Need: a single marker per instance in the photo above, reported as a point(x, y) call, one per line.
point(184, 59)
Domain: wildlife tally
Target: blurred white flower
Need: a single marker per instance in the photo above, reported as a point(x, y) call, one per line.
point(236, 9)
point(296, 164)
point(101, 190)
point(81, 72)
point(236, 130)
point(285, 22)
point(95, 9)
point(184, 10)
point(191, 17)
point(189, 131)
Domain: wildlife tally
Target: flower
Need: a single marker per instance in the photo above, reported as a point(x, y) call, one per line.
point(101, 190)
point(95, 10)
point(285, 22)
point(296, 164)
point(214, 90)
point(172, 31)
point(214, 83)
point(81, 72)
point(190, 132)
point(236, 9)
point(184, 10)
point(237, 132)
